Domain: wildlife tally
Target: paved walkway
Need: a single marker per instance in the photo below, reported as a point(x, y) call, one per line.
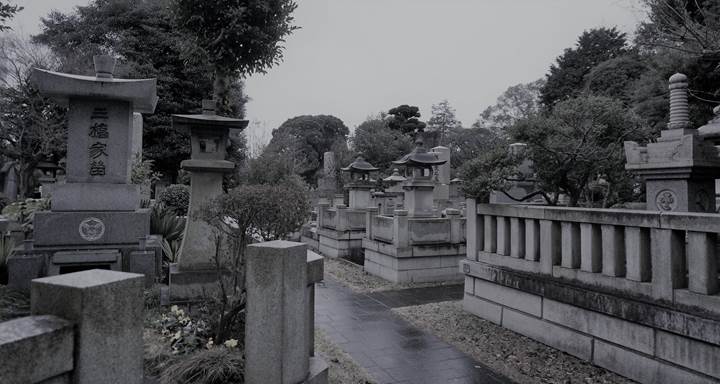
point(388, 347)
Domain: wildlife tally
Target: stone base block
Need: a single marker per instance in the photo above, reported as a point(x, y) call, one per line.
point(193, 285)
point(89, 228)
point(94, 197)
point(413, 269)
point(341, 247)
point(144, 263)
point(23, 268)
point(318, 371)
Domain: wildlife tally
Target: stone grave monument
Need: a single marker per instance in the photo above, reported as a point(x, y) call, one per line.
point(95, 220)
point(195, 275)
point(681, 167)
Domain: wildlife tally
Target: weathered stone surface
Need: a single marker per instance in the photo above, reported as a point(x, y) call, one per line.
point(610, 328)
point(35, 348)
point(315, 267)
point(23, 268)
point(63, 228)
point(553, 335)
point(276, 340)
point(642, 310)
point(641, 368)
point(194, 285)
point(668, 262)
point(94, 197)
point(693, 354)
point(107, 308)
point(483, 308)
point(144, 263)
point(509, 297)
point(200, 240)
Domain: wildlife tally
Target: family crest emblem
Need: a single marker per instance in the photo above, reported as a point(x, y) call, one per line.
point(91, 229)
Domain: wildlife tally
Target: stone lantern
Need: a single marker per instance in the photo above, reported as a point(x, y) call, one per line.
point(194, 273)
point(419, 187)
point(394, 182)
point(360, 184)
point(681, 167)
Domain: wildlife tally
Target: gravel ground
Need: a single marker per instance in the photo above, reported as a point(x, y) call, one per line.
point(354, 277)
point(343, 369)
point(517, 357)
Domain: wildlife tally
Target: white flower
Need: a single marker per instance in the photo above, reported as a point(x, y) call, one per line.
point(174, 309)
point(232, 343)
point(209, 344)
point(177, 335)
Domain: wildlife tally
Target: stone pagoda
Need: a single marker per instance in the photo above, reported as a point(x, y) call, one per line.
point(420, 185)
point(194, 275)
point(95, 218)
point(360, 184)
point(681, 167)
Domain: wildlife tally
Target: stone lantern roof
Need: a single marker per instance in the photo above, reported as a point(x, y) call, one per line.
point(360, 166)
point(419, 157)
point(208, 119)
point(396, 177)
point(141, 93)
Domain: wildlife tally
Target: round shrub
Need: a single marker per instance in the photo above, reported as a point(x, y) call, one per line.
point(176, 197)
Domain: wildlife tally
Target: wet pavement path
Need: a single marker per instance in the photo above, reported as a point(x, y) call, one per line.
point(388, 347)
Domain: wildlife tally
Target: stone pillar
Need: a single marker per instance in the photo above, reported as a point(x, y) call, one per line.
point(107, 309)
point(341, 218)
point(322, 207)
point(359, 195)
point(442, 188)
point(456, 234)
point(474, 229)
point(137, 135)
point(370, 213)
point(419, 198)
point(276, 337)
point(401, 235)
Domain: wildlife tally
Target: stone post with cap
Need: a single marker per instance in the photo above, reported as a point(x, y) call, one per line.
point(679, 169)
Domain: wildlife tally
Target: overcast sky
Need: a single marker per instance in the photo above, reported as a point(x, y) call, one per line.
point(355, 58)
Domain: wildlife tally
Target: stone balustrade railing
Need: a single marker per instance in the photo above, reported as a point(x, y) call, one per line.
point(669, 257)
point(340, 218)
point(404, 231)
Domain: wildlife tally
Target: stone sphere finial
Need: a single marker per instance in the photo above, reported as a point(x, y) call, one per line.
point(679, 112)
point(104, 66)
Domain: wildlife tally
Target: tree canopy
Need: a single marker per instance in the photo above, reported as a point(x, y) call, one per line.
point(517, 102)
point(239, 37)
point(406, 119)
point(379, 144)
point(566, 77)
point(303, 140)
point(443, 120)
point(144, 35)
point(7, 12)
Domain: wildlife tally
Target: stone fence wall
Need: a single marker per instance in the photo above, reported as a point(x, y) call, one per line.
point(632, 291)
point(341, 218)
point(86, 327)
point(404, 231)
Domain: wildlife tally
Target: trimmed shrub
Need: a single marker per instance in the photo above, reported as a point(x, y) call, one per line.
point(177, 197)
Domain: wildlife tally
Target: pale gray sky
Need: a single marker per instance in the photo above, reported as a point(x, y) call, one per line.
point(354, 58)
